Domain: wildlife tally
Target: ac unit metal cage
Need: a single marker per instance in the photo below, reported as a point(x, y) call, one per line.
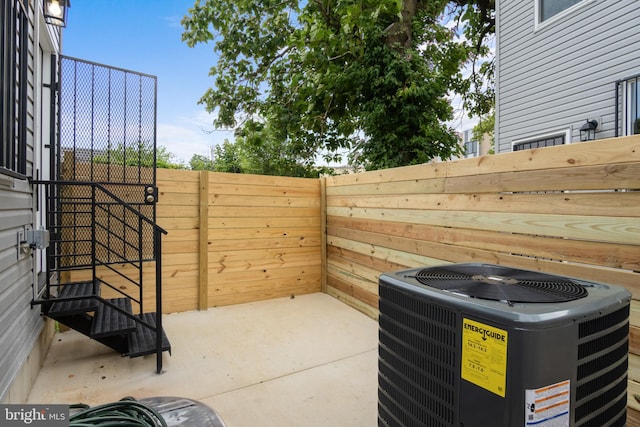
point(475, 345)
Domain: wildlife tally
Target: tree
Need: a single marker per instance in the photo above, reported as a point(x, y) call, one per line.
point(263, 153)
point(199, 162)
point(477, 20)
point(226, 158)
point(370, 76)
point(255, 151)
point(139, 154)
point(484, 127)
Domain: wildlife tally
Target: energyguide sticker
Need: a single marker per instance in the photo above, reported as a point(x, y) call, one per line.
point(548, 406)
point(484, 356)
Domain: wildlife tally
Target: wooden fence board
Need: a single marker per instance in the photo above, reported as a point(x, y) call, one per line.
point(365, 277)
point(263, 212)
point(356, 303)
point(177, 199)
point(389, 254)
point(178, 223)
point(177, 176)
point(601, 254)
point(611, 204)
point(600, 177)
point(169, 188)
point(255, 260)
point(268, 290)
point(176, 211)
point(292, 231)
point(262, 222)
point(243, 244)
point(231, 180)
point(378, 264)
point(347, 287)
point(185, 235)
point(623, 230)
point(611, 152)
point(266, 201)
point(576, 179)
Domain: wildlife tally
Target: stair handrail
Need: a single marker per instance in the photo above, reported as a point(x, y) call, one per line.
point(106, 191)
point(157, 252)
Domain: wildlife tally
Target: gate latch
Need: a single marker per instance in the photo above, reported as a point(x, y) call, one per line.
point(151, 194)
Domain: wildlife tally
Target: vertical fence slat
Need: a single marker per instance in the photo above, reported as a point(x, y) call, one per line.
point(323, 232)
point(203, 245)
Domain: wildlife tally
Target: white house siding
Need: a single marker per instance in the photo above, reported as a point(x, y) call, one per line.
point(553, 78)
point(20, 324)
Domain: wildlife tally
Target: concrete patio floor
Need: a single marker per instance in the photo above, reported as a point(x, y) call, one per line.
point(304, 361)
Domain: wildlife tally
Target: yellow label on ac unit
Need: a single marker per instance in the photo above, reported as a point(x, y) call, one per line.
point(484, 356)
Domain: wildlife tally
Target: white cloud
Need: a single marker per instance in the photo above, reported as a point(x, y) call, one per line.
point(191, 134)
point(173, 21)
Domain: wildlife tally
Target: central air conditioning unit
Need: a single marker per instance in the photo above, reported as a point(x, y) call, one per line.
point(477, 345)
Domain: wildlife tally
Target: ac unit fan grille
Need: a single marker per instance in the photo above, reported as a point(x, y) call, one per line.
point(501, 284)
point(602, 370)
point(417, 375)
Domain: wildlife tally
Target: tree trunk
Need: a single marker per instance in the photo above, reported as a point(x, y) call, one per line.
point(399, 34)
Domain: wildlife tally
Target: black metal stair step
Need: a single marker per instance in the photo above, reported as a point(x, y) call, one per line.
point(83, 300)
point(143, 340)
point(109, 321)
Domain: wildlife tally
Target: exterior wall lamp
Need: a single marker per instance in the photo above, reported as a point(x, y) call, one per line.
point(55, 12)
point(588, 130)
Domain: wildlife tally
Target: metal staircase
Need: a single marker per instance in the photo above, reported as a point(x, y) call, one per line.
point(103, 261)
point(99, 245)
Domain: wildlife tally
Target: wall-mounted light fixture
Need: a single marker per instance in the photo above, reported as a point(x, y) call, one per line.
point(588, 130)
point(55, 12)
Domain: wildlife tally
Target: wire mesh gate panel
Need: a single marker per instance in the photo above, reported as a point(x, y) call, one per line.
point(107, 135)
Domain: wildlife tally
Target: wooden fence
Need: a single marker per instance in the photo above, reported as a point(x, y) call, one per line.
point(564, 210)
point(571, 210)
point(237, 238)
point(231, 239)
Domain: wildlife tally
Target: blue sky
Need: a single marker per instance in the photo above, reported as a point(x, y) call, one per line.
point(145, 36)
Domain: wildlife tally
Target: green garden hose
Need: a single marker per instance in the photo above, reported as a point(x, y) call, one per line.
point(126, 413)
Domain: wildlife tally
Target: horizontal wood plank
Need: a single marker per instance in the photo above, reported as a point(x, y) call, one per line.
point(596, 253)
point(624, 230)
point(263, 212)
point(612, 151)
point(613, 203)
point(263, 222)
point(253, 200)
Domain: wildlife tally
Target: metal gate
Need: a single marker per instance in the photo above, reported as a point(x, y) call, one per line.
point(106, 136)
point(107, 123)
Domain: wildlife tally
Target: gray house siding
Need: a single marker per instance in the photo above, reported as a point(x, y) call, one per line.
point(20, 324)
point(551, 79)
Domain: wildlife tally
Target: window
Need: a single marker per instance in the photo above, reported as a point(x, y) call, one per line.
point(547, 9)
point(470, 147)
point(14, 39)
point(628, 106)
point(629, 96)
point(540, 142)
